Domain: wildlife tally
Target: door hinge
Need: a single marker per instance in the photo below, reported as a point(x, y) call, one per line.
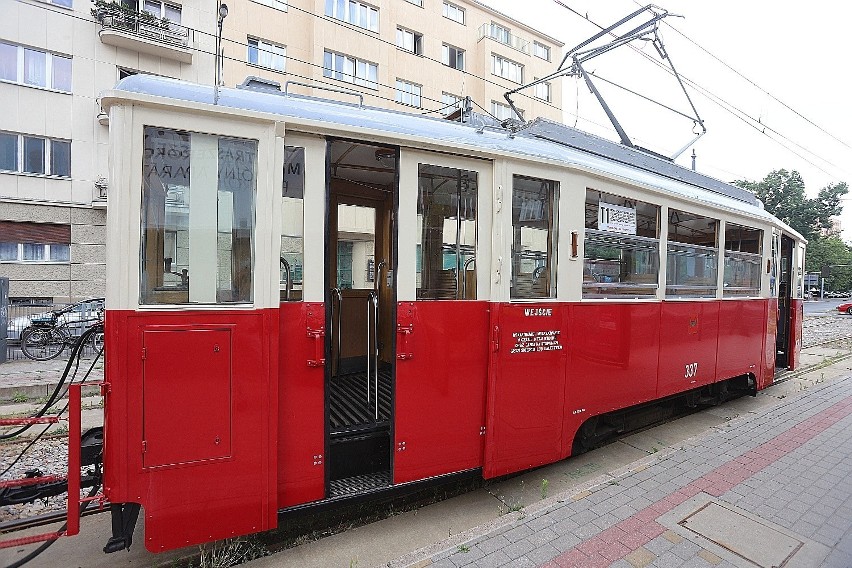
point(144, 446)
point(144, 353)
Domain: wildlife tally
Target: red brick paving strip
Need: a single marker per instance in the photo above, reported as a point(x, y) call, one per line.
point(621, 539)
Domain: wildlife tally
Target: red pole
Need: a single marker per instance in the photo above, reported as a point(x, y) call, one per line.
point(75, 415)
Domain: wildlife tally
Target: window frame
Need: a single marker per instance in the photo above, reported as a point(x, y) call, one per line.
point(446, 50)
point(680, 248)
point(449, 9)
point(47, 249)
point(549, 88)
point(504, 108)
point(401, 94)
point(538, 46)
point(281, 5)
point(638, 284)
point(49, 76)
point(551, 272)
point(47, 157)
point(340, 75)
point(416, 40)
point(503, 63)
point(264, 46)
point(372, 13)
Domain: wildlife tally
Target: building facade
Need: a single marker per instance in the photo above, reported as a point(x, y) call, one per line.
point(56, 56)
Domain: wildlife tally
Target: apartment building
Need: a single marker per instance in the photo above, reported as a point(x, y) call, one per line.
point(56, 56)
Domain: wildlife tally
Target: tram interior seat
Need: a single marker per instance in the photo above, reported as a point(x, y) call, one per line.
point(528, 286)
point(443, 286)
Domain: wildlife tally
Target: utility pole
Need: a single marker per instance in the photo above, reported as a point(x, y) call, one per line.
point(693, 159)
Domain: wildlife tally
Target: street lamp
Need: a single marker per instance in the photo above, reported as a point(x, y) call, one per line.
point(223, 13)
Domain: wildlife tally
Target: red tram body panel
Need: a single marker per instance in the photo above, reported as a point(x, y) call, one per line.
point(440, 388)
point(301, 403)
point(191, 422)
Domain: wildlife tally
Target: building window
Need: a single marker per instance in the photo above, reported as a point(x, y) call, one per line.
point(451, 102)
point(507, 69)
point(502, 112)
point(63, 3)
point(277, 4)
point(542, 91)
point(409, 41)
point(452, 57)
point(162, 10)
point(541, 50)
point(33, 67)
point(356, 13)
point(265, 54)
point(34, 242)
point(453, 12)
point(34, 155)
point(351, 70)
point(408, 93)
point(501, 33)
point(415, 2)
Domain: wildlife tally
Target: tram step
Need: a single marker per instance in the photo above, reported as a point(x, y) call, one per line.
point(359, 483)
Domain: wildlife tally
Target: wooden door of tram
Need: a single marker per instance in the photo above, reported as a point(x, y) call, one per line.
point(360, 300)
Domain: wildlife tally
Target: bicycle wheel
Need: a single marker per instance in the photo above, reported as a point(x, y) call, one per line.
point(42, 344)
point(96, 342)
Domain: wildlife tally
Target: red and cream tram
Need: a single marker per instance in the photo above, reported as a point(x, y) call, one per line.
point(311, 300)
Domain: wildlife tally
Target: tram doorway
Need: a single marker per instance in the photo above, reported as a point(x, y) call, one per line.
point(360, 300)
point(785, 295)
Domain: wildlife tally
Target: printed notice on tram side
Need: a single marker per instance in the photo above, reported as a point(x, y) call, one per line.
point(536, 341)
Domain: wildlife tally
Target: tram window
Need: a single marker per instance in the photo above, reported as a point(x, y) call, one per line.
point(692, 255)
point(446, 233)
point(743, 260)
point(533, 237)
point(198, 231)
point(621, 247)
point(292, 229)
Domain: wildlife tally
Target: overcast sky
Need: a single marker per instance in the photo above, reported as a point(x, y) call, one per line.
point(794, 52)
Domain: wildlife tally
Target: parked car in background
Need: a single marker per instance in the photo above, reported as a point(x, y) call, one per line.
point(76, 317)
point(845, 307)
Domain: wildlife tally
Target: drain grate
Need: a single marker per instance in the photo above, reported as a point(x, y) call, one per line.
point(746, 537)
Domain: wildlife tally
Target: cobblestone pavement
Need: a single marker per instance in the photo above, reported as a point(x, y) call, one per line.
point(760, 490)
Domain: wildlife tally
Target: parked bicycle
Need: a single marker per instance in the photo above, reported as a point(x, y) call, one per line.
point(50, 333)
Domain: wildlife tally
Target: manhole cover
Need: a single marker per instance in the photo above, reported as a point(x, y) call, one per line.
point(744, 536)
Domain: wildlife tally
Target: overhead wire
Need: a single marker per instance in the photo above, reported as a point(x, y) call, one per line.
point(719, 101)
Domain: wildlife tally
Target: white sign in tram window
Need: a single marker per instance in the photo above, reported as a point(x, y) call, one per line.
point(616, 219)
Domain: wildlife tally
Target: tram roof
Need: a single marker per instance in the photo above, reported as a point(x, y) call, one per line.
point(544, 139)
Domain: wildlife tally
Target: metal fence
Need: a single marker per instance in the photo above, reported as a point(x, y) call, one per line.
point(76, 321)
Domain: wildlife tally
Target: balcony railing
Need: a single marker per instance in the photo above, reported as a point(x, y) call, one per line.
point(146, 26)
point(506, 38)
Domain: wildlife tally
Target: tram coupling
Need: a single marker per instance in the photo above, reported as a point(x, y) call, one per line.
point(35, 485)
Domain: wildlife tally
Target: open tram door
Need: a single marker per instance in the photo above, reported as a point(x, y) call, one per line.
point(788, 340)
point(360, 315)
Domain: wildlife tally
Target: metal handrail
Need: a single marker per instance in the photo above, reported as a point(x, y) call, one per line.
point(144, 25)
point(370, 298)
point(335, 293)
point(374, 297)
point(289, 286)
point(464, 275)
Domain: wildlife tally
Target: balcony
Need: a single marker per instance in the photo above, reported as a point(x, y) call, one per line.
point(505, 37)
point(142, 32)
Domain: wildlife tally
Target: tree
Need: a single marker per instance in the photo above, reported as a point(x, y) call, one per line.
point(831, 251)
point(783, 195)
